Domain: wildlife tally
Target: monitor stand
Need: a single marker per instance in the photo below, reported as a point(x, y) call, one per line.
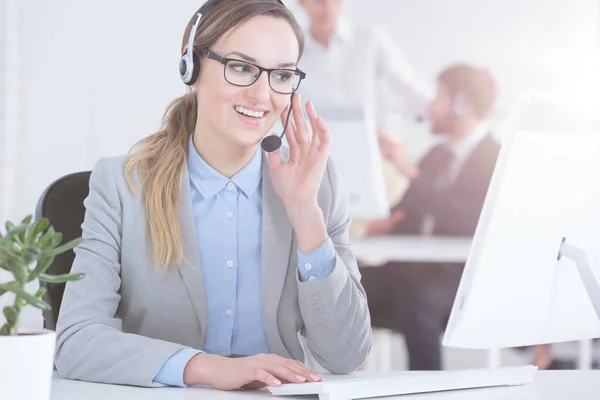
point(592, 288)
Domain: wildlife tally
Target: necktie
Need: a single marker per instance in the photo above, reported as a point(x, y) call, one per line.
point(442, 167)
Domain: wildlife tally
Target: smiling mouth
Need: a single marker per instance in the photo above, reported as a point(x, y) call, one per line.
point(249, 113)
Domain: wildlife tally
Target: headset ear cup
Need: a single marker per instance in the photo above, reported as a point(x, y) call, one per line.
point(196, 69)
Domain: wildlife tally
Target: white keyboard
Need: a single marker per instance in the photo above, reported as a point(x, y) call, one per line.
point(365, 384)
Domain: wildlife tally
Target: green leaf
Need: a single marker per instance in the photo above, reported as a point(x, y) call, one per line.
point(41, 292)
point(59, 250)
point(2, 291)
point(21, 294)
point(46, 240)
point(42, 266)
point(10, 313)
point(61, 278)
point(27, 220)
point(20, 273)
point(9, 226)
point(15, 265)
point(20, 230)
point(17, 234)
point(34, 230)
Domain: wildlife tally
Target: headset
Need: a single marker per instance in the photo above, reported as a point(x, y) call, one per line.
point(189, 67)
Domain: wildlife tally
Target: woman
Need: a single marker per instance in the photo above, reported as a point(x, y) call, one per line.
point(205, 257)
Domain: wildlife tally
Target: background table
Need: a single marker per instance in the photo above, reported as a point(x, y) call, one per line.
point(413, 248)
point(547, 385)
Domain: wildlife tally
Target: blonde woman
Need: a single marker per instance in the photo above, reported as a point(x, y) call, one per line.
point(207, 257)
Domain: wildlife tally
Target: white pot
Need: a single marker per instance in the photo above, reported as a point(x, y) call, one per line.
point(26, 365)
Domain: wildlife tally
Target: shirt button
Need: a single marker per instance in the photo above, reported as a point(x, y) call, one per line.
point(229, 312)
point(311, 279)
point(308, 266)
point(230, 263)
point(318, 308)
point(230, 186)
point(314, 295)
point(229, 214)
point(321, 323)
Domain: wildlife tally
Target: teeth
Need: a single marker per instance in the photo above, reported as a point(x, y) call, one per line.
point(250, 113)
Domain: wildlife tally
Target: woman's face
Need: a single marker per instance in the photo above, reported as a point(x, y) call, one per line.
point(265, 41)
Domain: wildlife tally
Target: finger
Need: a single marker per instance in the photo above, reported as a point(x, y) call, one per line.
point(303, 370)
point(300, 125)
point(290, 134)
point(286, 374)
point(264, 376)
point(312, 117)
point(325, 137)
point(274, 159)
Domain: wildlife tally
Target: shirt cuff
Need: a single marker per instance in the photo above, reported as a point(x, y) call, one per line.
point(318, 264)
point(171, 372)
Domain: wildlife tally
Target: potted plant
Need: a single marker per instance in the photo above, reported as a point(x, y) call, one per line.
point(26, 356)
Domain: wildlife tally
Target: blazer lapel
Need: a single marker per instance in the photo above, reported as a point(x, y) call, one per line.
point(190, 267)
point(276, 246)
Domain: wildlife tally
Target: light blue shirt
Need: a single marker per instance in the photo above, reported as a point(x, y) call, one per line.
point(228, 217)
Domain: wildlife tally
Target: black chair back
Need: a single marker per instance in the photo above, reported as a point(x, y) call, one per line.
point(62, 204)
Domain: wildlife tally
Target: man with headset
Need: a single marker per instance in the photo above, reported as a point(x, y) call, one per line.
point(358, 65)
point(444, 199)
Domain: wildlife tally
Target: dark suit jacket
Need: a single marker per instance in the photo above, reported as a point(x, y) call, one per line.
point(456, 209)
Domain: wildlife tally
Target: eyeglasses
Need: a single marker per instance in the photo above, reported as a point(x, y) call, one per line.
point(243, 73)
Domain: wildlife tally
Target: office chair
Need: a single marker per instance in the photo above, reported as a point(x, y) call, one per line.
point(62, 204)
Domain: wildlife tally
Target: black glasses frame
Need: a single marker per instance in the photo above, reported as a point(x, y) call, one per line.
point(225, 61)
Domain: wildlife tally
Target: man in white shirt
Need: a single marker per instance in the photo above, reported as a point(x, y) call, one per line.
point(352, 65)
point(444, 199)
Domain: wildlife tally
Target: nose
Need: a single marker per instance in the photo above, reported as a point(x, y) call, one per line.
point(260, 91)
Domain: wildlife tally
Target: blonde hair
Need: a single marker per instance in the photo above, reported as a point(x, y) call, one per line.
point(160, 159)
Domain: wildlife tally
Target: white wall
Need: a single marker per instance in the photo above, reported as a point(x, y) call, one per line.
point(97, 76)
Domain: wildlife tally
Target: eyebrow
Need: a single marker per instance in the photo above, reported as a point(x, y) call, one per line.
point(252, 60)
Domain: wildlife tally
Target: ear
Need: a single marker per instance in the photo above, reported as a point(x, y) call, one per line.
point(469, 110)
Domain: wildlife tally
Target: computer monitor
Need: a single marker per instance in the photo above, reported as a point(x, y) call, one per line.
point(355, 150)
point(521, 285)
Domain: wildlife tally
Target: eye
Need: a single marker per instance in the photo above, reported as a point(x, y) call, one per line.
point(283, 76)
point(240, 68)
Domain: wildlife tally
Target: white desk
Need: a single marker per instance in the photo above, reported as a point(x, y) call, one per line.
point(548, 385)
point(404, 248)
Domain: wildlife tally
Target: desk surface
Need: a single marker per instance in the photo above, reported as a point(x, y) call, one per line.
point(547, 385)
point(412, 248)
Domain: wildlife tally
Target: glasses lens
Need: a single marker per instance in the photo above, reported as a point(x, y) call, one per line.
point(284, 80)
point(243, 74)
point(240, 73)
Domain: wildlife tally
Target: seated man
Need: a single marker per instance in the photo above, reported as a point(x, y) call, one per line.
point(445, 198)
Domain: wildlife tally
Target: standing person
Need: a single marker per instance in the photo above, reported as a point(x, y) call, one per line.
point(205, 258)
point(351, 64)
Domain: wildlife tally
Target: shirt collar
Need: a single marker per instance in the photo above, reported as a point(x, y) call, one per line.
point(465, 146)
point(342, 32)
point(209, 181)
point(343, 29)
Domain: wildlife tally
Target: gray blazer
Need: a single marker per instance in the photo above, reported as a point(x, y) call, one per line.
point(123, 321)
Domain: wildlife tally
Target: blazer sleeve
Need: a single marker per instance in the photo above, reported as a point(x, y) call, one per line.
point(90, 343)
point(337, 323)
